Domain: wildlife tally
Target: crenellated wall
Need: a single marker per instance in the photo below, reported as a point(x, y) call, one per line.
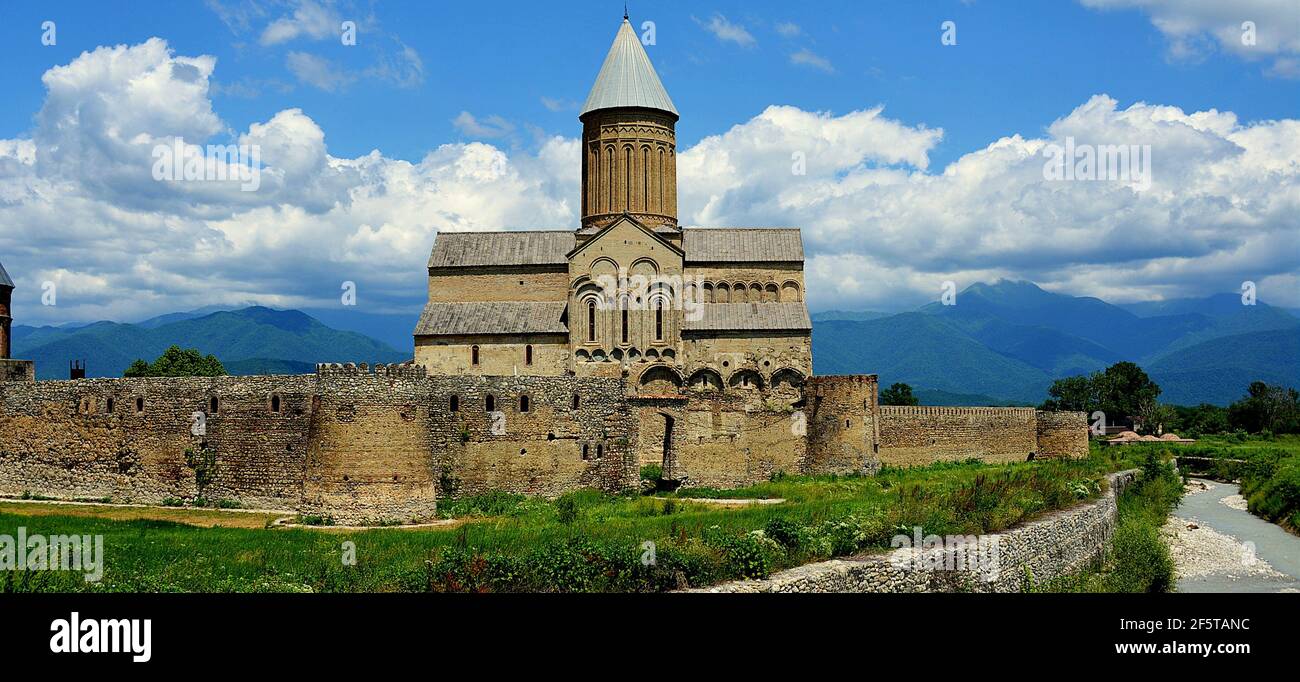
point(382, 444)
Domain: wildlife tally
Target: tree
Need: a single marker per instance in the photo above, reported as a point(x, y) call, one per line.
point(175, 362)
point(1266, 408)
point(898, 394)
point(1073, 394)
point(1123, 390)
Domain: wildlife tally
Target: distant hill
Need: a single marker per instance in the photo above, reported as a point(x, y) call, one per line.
point(258, 335)
point(1008, 340)
point(924, 351)
point(928, 396)
point(855, 315)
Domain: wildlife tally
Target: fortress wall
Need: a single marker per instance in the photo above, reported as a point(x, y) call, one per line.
point(843, 424)
point(370, 455)
point(735, 438)
point(916, 436)
point(538, 452)
point(498, 355)
point(1062, 434)
point(60, 439)
point(17, 370)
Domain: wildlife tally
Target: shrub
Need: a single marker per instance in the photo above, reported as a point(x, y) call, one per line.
point(1142, 562)
point(784, 532)
point(566, 509)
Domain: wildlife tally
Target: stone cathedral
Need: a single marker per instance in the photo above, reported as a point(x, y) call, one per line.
point(545, 361)
point(627, 292)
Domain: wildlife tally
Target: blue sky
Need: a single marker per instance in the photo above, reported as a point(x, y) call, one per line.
point(1017, 65)
point(923, 158)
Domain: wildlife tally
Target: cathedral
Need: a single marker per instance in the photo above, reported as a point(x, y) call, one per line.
point(628, 292)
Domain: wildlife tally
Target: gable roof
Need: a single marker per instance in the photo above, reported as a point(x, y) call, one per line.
point(743, 245)
point(627, 78)
point(476, 249)
point(4, 278)
point(635, 223)
point(751, 317)
point(492, 317)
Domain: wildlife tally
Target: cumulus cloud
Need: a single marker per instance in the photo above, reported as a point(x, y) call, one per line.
point(727, 32)
point(1194, 27)
point(317, 72)
point(491, 126)
point(789, 29)
point(882, 228)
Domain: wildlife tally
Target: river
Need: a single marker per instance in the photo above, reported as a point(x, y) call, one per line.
point(1219, 546)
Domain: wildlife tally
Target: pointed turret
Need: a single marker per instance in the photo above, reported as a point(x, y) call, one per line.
point(629, 164)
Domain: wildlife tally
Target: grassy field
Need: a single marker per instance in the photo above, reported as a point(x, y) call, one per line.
point(584, 541)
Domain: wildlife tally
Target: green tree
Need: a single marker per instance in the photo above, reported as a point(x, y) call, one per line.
point(1124, 390)
point(1266, 408)
point(175, 362)
point(1073, 394)
point(898, 394)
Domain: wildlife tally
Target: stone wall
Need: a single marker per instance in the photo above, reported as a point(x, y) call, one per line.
point(843, 428)
point(915, 436)
point(548, 449)
point(735, 438)
point(498, 355)
point(1053, 546)
point(1062, 434)
point(17, 370)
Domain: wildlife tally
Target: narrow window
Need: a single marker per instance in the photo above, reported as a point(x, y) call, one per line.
point(624, 323)
point(139, 404)
point(275, 404)
point(575, 401)
point(659, 320)
point(523, 403)
point(490, 404)
point(109, 406)
point(455, 403)
point(473, 355)
point(528, 354)
point(600, 450)
point(591, 321)
point(213, 405)
point(586, 451)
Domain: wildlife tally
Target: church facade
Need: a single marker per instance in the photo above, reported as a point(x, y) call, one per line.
point(628, 292)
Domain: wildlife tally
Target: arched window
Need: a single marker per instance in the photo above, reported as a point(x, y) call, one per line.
point(624, 307)
point(213, 405)
point(613, 170)
point(108, 405)
point(600, 450)
point(139, 404)
point(575, 401)
point(455, 403)
point(473, 355)
point(586, 451)
point(659, 319)
point(591, 321)
point(275, 404)
point(523, 403)
point(528, 354)
point(490, 403)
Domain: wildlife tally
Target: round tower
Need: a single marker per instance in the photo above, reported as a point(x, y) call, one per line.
point(6, 300)
point(629, 162)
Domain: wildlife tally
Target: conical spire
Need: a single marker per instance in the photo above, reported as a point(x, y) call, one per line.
point(627, 78)
point(4, 278)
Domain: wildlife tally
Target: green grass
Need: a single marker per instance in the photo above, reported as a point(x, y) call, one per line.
point(1138, 559)
point(1267, 466)
point(585, 541)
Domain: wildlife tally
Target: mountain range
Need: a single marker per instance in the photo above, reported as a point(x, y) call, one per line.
point(1000, 344)
point(254, 340)
point(1009, 340)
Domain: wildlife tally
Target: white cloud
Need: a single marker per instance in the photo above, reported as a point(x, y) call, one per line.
point(727, 32)
point(1194, 27)
point(882, 229)
point(309, 19)
point(789, 29)
point(492, 126)
point(806, 57)
point(317, 72)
